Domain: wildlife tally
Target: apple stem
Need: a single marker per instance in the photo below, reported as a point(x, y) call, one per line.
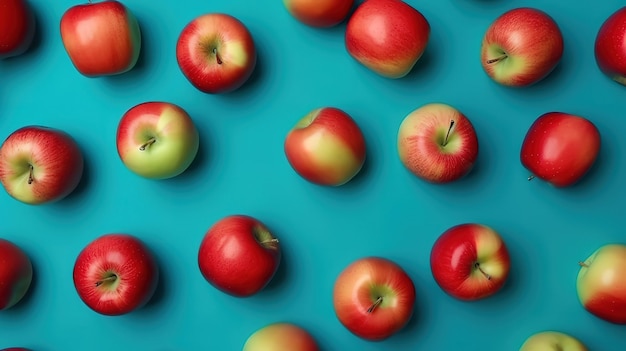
point(273, 240)
point(477, 266)
point(376, 303)
point(583, 264)
point(147, 143)
point(217, 56)
point(31, 177)
point(107, 279)
point(499, 58)
point(531, 177)
point(445, 140)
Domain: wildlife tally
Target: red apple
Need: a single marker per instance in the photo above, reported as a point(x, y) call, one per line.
point(521, 47)
point(216, 53)
point(15, 349)
point(326, 147)
point(319, 13)
point(387, 36)
point(16, 274)
point(115, 274)
point(281, 336)
point(17, 27)
point(239, 255)
point(101, 38)
point(374, 298)
point(470, 261)
point(610, 46)
point(560, 148)
point(437, 143)
point(40, 164)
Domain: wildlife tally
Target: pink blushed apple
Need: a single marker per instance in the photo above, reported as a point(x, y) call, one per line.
point(281, 336)
point(610, 46)
point(319, 13)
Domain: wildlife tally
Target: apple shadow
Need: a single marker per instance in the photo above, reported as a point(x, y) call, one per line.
point(161, 291)
point(80, 192)
point(281, 276)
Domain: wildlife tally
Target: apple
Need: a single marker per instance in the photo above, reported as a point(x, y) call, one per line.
point(101, 38)
point(115, 274)
point(326, 147)
point(387, 36)
point(610, 46)
point(437, 143)
point(601, 283)
point(15, 349)
point(17, 27)
point(470, 261)
point(373, 298)
point(16, 274)
point(319, 13)
point(281, 336)
point(550, 340)
point(239, 255)
point(521, 47)
point(157, 140)
point(216, 53)
point(560, 148)
point(40, 164)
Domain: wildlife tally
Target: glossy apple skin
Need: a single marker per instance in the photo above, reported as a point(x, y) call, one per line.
point(216, 53)
point(531, 41)
point(360, 285)
point(101, 38)
point(239, 255)
point(550, 340)
point(15, 349)
point(387, 36)
point(281, 336)
point(56, 161)
point(610, 46)
point(326, 147)
point(157, 140)
point(319, 13)
point(601, 283)
point(422, 146)
point(16, 274)
point(560, 148)
point(17, 27)
point(128, 264)
point(461, 252)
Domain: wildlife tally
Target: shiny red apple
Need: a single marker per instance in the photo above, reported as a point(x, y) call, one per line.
point(17, 27)
point(16, 274)
point(610, 46)
point(319, 13)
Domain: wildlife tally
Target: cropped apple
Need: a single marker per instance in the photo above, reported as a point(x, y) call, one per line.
point(601, 283)
point(560, 148)
point(470, 261)
point(387, 36)
point(239, 255)
point(216, 53)
point(437, 143)
point(16, 274)
point(281, 336)
point(374, 298)
point(552, 341)
point(40, 164)
point(15, 349)
point(610, 46)
point(521, 47)
point(157, 140)
point(115, 274)
point(101, 38)
point(326, 147)
point(319, 13)
point(17, 27)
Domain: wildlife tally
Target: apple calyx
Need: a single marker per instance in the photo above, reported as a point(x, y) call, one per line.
point(110, 278)
point(477, 267)
point(376, 303)
point(147, 143)
point(497, 59)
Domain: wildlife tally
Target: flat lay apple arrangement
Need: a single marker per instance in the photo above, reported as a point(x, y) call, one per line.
point(373, 297)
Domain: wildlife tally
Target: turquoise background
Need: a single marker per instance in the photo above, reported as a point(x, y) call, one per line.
point(241, 168)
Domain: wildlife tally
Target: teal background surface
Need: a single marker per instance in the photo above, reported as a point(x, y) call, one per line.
point(241, 169)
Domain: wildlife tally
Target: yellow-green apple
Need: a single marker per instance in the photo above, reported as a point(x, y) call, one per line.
point(40, 164)
point(319, 13)
point(387, 36)
point(521, 47)
point(101, 38)
point(560, 148)
point(374, 298)
point(437, 143)
point(326, 147)
point(157, 140)
point(601, 283)
point(281, 336)
point(610, 46)
point(115, 274)
point(551, 340)
point(239, 255)
point(470, 261)
point(216, 53)
point(17, 27)
point(16, 274)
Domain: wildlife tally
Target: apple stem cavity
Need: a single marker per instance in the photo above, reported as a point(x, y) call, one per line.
point(147, 143)
point(497, 59)
point(31, 177)
point(477, 266)
point(445, 140)
point(376, 303)
point(110, 278)
point(217, 56)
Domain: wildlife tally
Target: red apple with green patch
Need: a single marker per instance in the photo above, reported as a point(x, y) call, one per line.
point(326, 147)
point(281, 336)
point(319, 13)
point(551, 340)
point(610, 46)
point(16, 274)
point(17, 27)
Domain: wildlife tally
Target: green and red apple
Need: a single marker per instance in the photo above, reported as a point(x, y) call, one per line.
point(281, 336)
point(551, 340)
